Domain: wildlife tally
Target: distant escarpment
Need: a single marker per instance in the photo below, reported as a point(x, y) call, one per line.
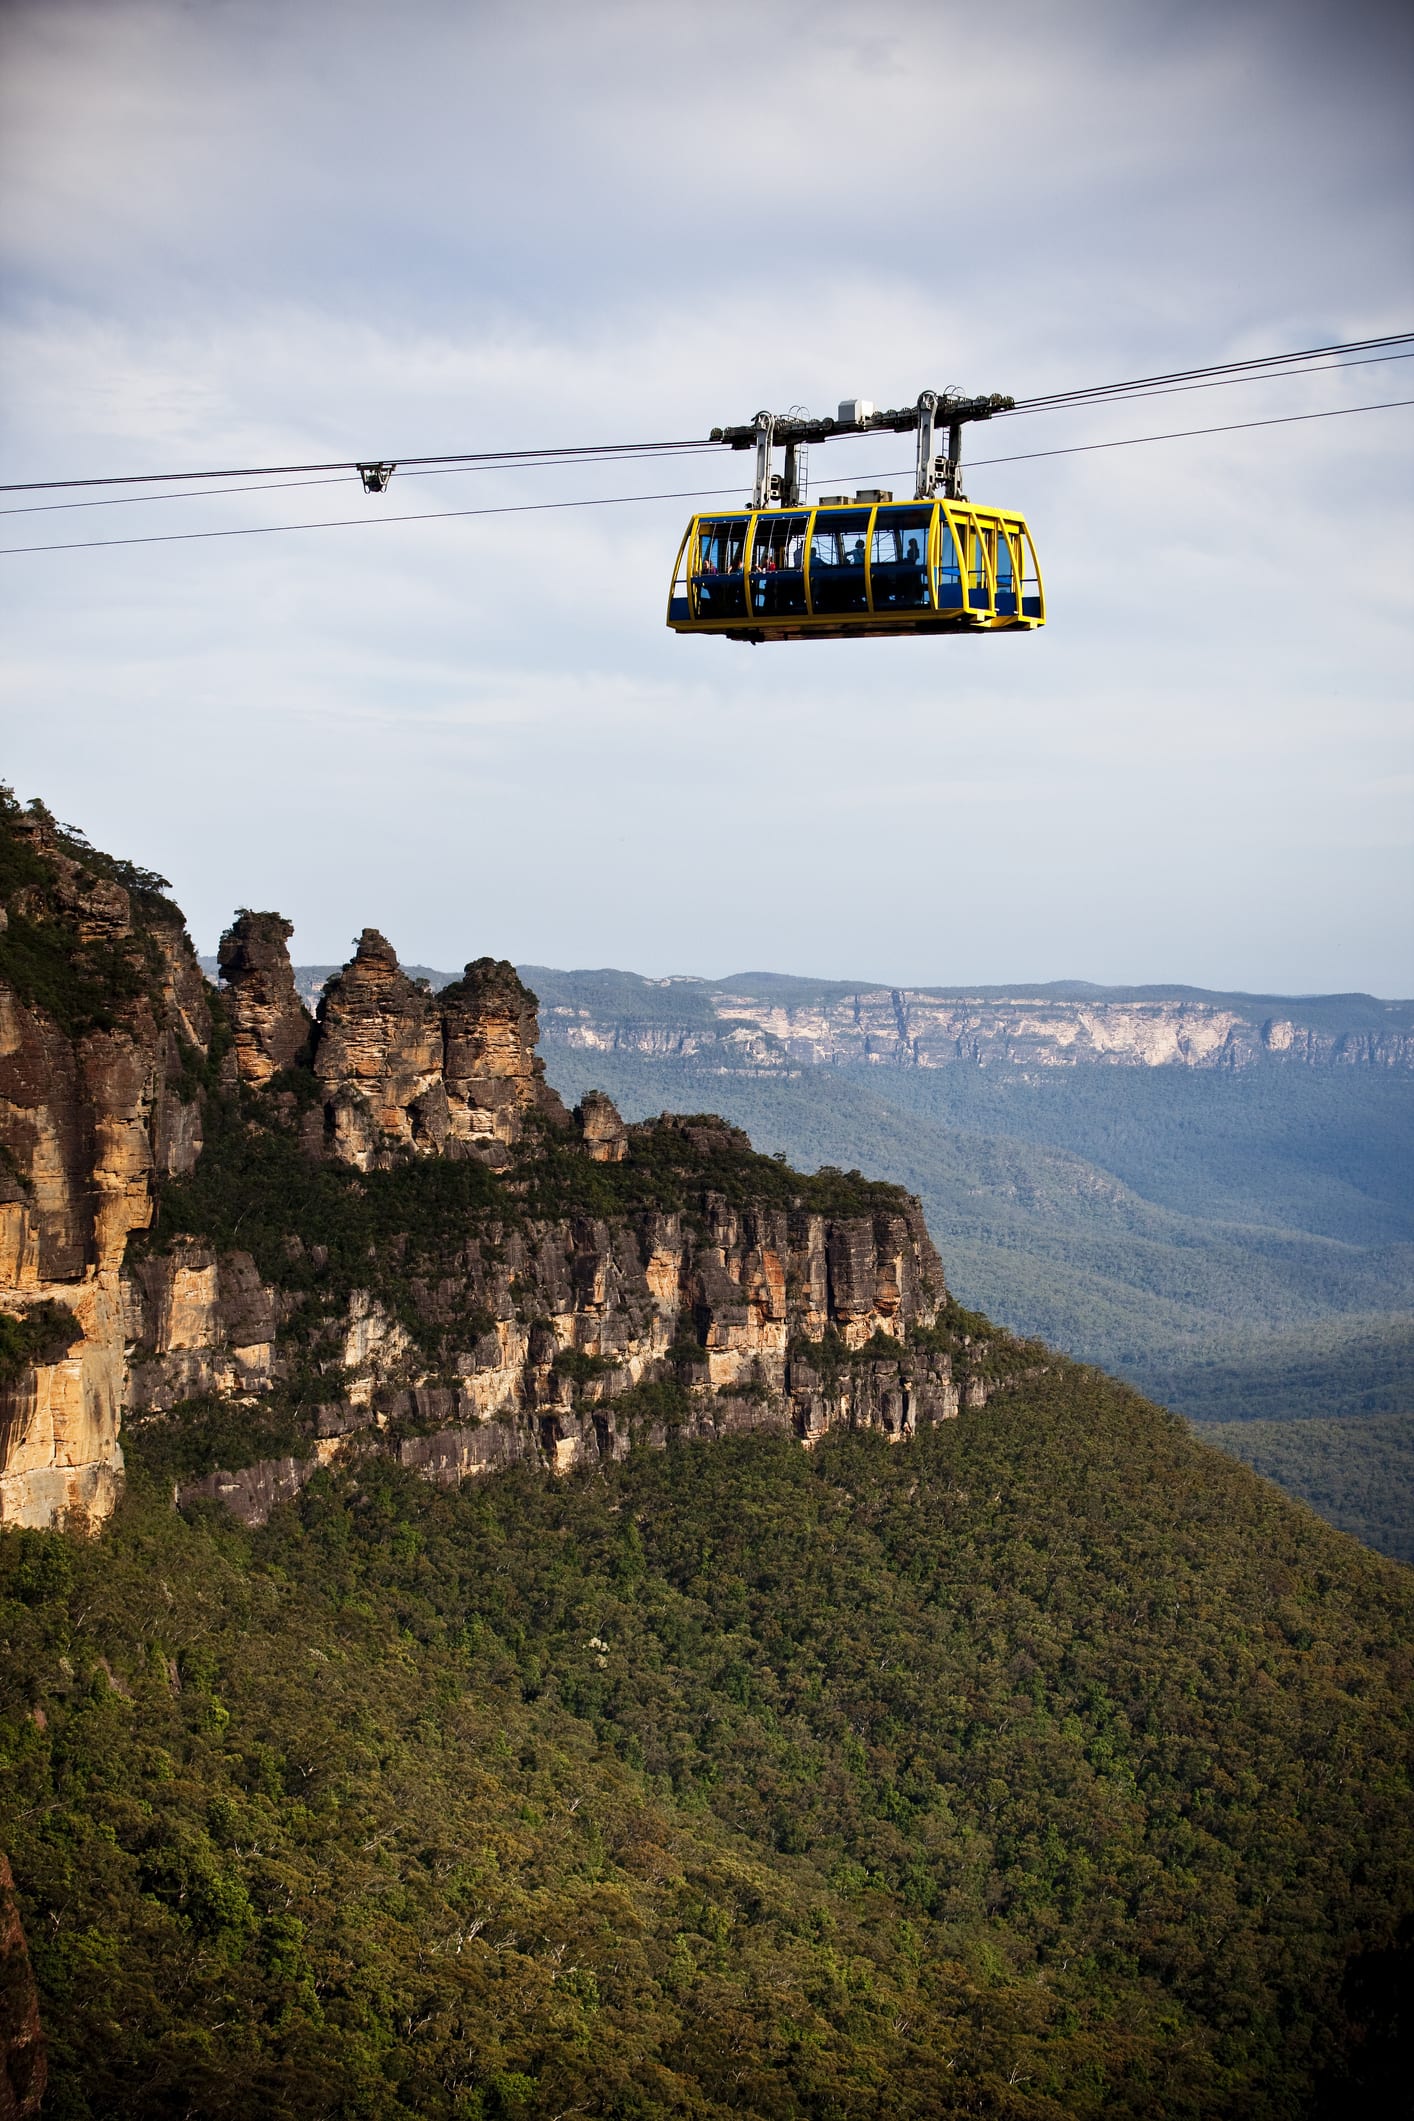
point(273, 1240)
point(761, 1023)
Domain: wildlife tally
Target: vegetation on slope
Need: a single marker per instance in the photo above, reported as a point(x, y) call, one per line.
point(1049, 1765)
point(1357, 1471)
point(83, 984)
point(1150, 1219)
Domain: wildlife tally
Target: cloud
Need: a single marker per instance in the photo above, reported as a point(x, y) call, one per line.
point(245, 233)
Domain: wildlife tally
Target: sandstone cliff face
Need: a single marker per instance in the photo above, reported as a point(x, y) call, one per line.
point(100, 992)
point(750, 1315)
point(719, 1303)
point(378, 1059)
point(564, 1286)
point(268, 1021)
point(494, 1077)
point(911, 1028)
point(401, 1069)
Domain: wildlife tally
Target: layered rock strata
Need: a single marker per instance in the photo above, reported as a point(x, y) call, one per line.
point(378, 1059)
point(401, 1069)
point(903, 1027)
point(103, 1009)
point(788, 1318)
point(269, 1023)
point(552, 1312)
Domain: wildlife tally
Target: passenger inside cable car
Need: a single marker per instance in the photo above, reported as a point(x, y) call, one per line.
point(898, 563)
point(778, 565)
point(720, 590)
point(869, 566)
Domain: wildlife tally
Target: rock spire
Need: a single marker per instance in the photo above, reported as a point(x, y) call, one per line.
point(269, 1023)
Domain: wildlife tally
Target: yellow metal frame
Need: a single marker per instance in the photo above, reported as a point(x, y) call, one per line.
point(974, 530)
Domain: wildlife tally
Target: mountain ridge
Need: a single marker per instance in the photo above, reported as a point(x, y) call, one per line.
point(282, 1241)
point(628, 1638)
point(1334, 1015)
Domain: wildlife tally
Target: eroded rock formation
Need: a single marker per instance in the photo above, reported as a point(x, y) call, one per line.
point(378, 1058)
point(605, 1135)
point(268, 1021)
point(102, 1009)
point(449, 1074)
point(493, 1075)
point(566, 1286)
point(783, 1317)
point(911, 1027)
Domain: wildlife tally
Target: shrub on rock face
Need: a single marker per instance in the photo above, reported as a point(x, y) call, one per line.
point(43, 1333)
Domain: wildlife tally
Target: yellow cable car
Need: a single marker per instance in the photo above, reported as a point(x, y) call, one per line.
point(850, 566)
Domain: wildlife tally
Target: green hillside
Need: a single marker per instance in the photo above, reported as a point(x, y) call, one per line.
point(1358, 1472)
point(1049, 1765)
point(1134, 1222)
point(1238, 1247)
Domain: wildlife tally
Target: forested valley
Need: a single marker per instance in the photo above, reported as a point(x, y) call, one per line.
point(1048, 1765)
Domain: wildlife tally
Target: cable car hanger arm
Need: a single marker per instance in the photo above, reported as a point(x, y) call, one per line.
point(934, 475)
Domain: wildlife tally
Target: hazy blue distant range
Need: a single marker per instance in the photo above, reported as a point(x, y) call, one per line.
point(1211, 1194)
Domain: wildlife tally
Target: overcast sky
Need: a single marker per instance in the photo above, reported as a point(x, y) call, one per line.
point(268, 231)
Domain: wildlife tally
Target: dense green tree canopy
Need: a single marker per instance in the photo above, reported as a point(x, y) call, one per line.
point(1048, 1764)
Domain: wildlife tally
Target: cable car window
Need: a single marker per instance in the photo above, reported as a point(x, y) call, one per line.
point(898, 559)
point(718, 588)
point(1006, 576)
point(837, 560)
point(778, 565)
point(978, 591)
point(949, 569)
point(1030, 580)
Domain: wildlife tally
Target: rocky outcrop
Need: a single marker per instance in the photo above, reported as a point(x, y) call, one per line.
point(24, 2069)
point(269, 1023)
point(535, 1309)
point(403, 1070)
point(378, 1058)
point(604, 1134)
point(493, 1075)
point(786, 1316)
point(102, 1006)
point(196, 1325)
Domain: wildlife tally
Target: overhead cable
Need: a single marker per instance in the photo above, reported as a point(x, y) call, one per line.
point(1097, 393)
point(619, 500)
point(569, 452)
point(441, 471)
point(202, 493)
point(1216, 369)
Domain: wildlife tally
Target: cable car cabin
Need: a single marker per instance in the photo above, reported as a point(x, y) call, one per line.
point(867, 566)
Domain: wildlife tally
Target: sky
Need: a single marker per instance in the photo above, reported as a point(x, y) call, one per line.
point(247, 232)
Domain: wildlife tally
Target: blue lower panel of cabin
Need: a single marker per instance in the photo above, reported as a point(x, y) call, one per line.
point(836, 589)
point(900, 587)
point(721, 597)
point(778, 595)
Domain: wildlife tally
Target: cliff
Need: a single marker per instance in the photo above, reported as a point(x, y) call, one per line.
point(763, 1024)
point(103, 1014)
point(273, 1241)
